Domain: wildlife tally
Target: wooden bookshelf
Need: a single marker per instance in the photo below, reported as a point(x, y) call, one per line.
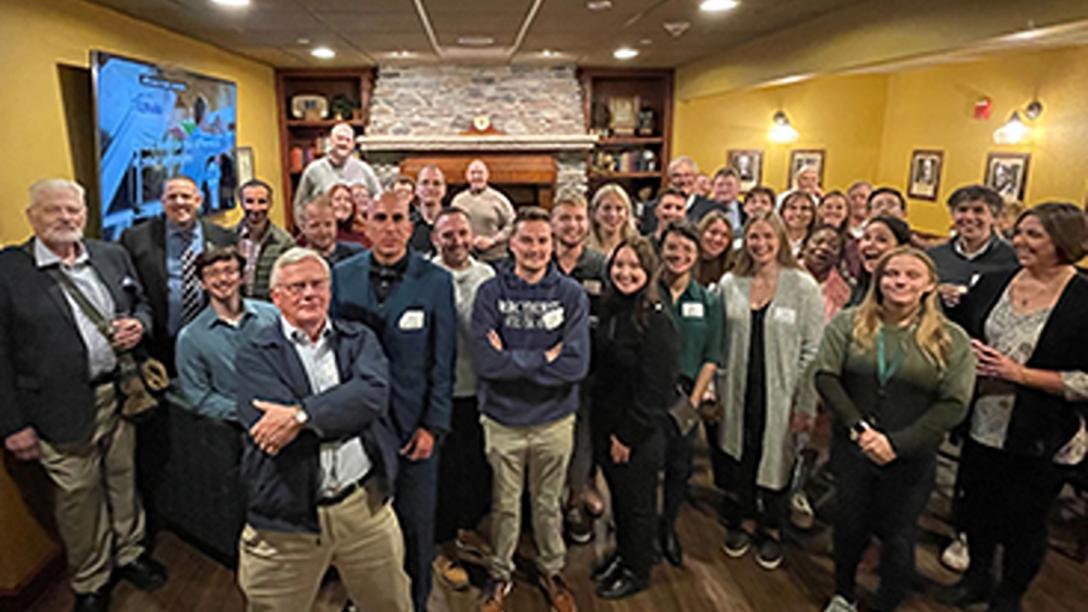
point(307, 135)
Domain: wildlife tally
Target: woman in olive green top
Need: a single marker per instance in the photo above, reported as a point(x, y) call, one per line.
point(897, 375)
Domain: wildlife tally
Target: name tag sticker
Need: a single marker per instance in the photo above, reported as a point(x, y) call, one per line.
point(552, 319)
point(692, 310)
point(785, 315)
point(411, 319)
point(592, 286)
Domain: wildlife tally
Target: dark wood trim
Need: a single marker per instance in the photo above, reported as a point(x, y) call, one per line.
point(49, 571)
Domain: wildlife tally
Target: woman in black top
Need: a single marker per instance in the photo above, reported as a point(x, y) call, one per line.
point(1027, 424)
point(636, 347)
point(881, 234)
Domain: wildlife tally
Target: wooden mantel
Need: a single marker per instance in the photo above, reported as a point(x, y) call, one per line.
point(489, 143)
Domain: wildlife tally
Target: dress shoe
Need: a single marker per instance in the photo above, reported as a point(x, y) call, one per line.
point(607, 569)
point(624, 584)
point(98, 601)
point(670, 546)
point(144, 573)
point(964, 593)
point(559, 594)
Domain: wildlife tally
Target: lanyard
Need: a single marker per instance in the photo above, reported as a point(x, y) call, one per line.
point(884, 370)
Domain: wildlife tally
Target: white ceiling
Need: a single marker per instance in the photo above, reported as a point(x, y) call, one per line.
point(366, 32)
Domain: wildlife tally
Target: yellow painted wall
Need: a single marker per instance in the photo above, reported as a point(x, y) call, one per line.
point(842, 115)
point(931, 108)
point(870, 124)
point(37, 35)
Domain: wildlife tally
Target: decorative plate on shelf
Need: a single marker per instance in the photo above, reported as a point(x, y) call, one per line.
point(311, 107)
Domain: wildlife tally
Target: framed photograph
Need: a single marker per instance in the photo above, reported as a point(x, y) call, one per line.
point(1007, 174)
point(748, 164)
point(924, 179)
point(803, 159)
point(243, 159)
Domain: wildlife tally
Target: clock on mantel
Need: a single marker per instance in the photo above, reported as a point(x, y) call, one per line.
point(481, 126)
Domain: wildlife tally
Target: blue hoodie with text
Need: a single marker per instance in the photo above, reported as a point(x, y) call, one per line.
point(517, 386)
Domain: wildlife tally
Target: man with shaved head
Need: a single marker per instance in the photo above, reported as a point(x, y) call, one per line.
point(337, 167)
point(489, 211)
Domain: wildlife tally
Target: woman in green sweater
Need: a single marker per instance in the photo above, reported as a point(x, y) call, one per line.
point(897, 375)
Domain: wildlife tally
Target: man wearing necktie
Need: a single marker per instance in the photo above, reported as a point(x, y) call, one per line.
point(164, 250)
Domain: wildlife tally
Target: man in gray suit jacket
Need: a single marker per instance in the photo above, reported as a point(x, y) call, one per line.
point(158, 248)
point(58, 399)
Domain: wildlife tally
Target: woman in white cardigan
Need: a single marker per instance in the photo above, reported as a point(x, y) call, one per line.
point(773, 319)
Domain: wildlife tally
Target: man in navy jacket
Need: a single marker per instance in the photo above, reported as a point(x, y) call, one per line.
point(408, 302)
point(319, 458)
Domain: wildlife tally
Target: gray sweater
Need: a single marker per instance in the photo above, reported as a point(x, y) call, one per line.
point(465, 284)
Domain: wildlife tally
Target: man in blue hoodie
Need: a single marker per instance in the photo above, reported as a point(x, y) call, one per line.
point(530, 347)
point(408, 302)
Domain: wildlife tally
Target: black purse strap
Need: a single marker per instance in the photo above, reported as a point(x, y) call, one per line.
point(97, 318)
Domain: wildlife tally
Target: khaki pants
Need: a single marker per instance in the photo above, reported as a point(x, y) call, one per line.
point(545, 450)
point(97, 508)
point(281, 571)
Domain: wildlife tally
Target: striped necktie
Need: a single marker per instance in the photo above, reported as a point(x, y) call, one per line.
point(191, 294)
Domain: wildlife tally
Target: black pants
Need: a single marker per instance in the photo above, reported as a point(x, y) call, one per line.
point(745, 500)
point(679, 454)
point(718, 459)
point(634, 496)
point(464, 476)
point(885, 500)
point(1006, 500)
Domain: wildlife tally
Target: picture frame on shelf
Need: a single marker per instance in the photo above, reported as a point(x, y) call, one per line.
point(924, 174)
point(1007, 174)
point(805, 158)
point(748, 164)
point(244, 166)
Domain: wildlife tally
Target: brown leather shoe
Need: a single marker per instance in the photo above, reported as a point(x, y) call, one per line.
point(451, 572)
point(495, 593)
point(559, 596)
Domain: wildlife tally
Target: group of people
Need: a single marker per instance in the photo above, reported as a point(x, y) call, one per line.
point(406, 368)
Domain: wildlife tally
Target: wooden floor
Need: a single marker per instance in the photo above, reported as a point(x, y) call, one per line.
point(710, 581)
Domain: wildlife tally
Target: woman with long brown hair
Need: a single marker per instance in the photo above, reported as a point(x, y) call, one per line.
point(716, 246)
point(1027, 425)
point(896, 375)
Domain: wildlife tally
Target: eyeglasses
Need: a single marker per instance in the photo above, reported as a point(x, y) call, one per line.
point(298, 288)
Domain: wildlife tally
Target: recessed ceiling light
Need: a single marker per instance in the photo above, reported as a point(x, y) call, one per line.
point(548, 53)
point(716, 6)
point(303, 41)
point(402, 53)
point(646, 42)
point(231, 3)
point(625, 53)
point(599, 5)
point(475, 41)
point(322, 53)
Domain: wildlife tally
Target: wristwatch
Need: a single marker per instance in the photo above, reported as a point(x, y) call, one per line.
point(859, 428)
point(301, 416)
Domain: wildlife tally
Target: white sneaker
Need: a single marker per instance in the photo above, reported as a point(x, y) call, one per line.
point(838, 603)
point(955, 556)
point(801, 513)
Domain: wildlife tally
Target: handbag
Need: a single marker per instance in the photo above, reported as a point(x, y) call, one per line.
point(139, 382)
point(682, 414)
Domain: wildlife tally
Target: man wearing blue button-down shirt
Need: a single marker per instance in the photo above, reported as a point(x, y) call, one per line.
point(207, 346)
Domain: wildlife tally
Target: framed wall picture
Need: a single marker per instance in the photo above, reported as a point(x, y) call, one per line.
point(804, 159)
point(748, 164)
point(924, 178)
point(243, 159)
point(1007, 174)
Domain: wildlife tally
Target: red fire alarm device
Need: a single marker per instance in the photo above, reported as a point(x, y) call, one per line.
point(983, 108)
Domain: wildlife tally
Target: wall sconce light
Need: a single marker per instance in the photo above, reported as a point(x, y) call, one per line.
point(1015, 130)
point(781, 130)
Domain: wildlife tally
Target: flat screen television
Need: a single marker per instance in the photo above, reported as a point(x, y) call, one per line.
point(153, 122)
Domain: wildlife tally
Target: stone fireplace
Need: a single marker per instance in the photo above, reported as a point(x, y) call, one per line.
point(536, 142)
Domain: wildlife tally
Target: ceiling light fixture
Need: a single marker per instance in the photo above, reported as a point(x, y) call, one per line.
point(1013, 132)
point(781, 130)
point(322, 53)
point(231, 3)
point(475, 41)
point(303, 41)
point(717, 6)
point(676, 29)
point(548, 53)
point(402, 53)
point(599, 5)
point(625, 53)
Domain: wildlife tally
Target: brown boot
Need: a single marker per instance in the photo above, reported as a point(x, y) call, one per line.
point(559, 596)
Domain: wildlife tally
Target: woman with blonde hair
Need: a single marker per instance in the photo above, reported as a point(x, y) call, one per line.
point(773, 316)
point(897, 375)
point(611, 218)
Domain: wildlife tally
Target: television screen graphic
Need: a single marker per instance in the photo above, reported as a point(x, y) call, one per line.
point(156, 122)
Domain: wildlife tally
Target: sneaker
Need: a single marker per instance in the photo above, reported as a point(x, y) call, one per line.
point(956, 556)
point(579, 526)
point(769, 553)
point(495, 594)
point(451, 572)
point(737, 543)
point(801, 513)
point(559, 596)
point(839, 603)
